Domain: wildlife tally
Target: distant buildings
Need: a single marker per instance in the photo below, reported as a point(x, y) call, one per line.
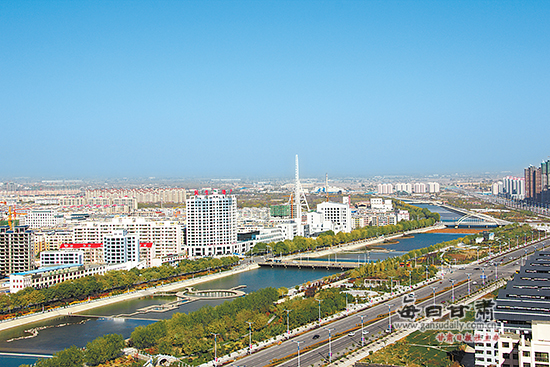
point(41, 219)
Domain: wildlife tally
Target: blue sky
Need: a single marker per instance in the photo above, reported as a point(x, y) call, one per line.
point(237, 88)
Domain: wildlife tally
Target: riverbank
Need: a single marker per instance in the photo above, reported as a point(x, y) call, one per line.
point(85, 306)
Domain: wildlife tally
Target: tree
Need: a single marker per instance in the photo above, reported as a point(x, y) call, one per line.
point(103, 349)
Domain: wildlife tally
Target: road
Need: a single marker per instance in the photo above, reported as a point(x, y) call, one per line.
point(345, 325)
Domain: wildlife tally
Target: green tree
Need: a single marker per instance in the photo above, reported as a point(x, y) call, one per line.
point(103, 349)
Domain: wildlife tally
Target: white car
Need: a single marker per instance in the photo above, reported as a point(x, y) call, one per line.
point(352, 333)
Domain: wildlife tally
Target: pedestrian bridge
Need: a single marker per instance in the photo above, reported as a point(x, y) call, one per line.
point(309, 264)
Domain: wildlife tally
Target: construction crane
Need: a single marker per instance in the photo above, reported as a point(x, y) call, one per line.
point(11, 212)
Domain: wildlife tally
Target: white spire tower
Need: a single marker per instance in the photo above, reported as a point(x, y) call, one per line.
point(299, 198)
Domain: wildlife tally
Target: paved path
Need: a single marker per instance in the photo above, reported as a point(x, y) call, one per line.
point(85, 306)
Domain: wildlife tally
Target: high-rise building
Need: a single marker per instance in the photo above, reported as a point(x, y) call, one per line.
point(404, 187)
point(386, 188)
point(533, 183)
point(545, 182)
point(433, 187)
point(16, 250)
point(211, 224)
point(120, 247)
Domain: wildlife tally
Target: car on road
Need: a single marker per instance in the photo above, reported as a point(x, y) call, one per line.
point(476, 268)
point(352, 333)
point(316, 336)
point(365, 332)
point(474, 282)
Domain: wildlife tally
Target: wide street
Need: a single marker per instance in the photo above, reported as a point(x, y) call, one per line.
point(511, 261)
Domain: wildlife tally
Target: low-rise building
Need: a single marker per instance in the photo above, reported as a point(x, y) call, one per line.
point(50, 258)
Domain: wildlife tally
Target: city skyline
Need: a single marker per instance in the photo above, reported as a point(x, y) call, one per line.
point(235, 89)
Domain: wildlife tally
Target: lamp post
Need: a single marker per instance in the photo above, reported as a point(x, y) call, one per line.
point(391, 286)
point(427, 274)
point(468, 274)
point(319, 300)
point(362, 335)
point(249, 336)
point(389, 318)
point(215, 348)
point(483, 276)
point(298, 343)
point(496, 271)
point(329, 344)
point(410, 280)
point(433, 290)
point(287, 323)
point(452, 290)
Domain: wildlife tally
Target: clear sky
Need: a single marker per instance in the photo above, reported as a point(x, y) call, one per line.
point(237, 88)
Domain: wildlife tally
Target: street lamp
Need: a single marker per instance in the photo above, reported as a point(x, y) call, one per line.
point(389, 318)
point(391, 286)
point(410, 280)
point(468, 274)
point(287, 323)
point(215, 348)
point(249, 336)
point(483, 276)
point(329, 344)
point(452, 290)
point(362, 335)
point(298, 342)
point(496, 271)
point(319, 300)
point(433, 290)
point(427, 274)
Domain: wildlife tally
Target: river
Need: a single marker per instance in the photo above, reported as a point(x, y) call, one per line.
point(57, 334)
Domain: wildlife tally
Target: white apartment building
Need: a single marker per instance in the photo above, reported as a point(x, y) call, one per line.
point(41, 219)
point(433, 187)
point(384, 189)
point(316, 223)
point(167, 236)
point(50, 258)
point(337, 213)
point(402, 215)
point(514, 187)
point(419, 188)
point(404, 187)
point(120, 247)
point(379, 204)
point(142, 195)
point(486, 348)
point(211, 224)
point(289, 227)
